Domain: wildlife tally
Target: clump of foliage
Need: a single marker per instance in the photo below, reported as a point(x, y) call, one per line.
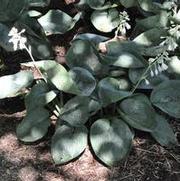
point(105, 78)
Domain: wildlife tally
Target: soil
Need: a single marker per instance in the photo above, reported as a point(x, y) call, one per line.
point(148, 161)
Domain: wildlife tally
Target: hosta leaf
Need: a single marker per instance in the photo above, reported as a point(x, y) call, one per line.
point(34, 126)
point(75, 111)
point(11, 85)
point(11, 10)
point(95, 4)
point(68, 143)
point(78, 110)
point(39, 96)
point(40, 48)
point(101, 5)
point(128, 3)
point(136, 74)
point(117, 72)
point(124, 83)
point(93, 38)
point(111, 140)
point(157, 21)
point(151, 37)
point(83, 79)
point(153, 51)
point(56, 74)
point(109, 91)
point(174, 65)
point(148, 5)
point(4, 38)
point(138, 112)
point(36, 38)
point(77, 81)
point(123, 54)
point(83, 54)
point(82, 5)
point(166, 97)
point(50, 19)
point(39, 3)
point(163, 133)
point(105, 20)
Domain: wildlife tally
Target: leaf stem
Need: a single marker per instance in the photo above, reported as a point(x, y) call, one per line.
point(34, 64)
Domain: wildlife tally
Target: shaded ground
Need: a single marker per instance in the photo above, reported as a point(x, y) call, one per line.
point(19, 162)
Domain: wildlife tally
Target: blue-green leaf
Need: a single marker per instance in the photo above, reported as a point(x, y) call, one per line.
point(138, 112)
point(68, 143)
point(65, 22)
point(166, 97)
point(109, 91)
point(34, 126)
point(39, 96)
point(163, 133)
point(111, 140)
point(11, 85)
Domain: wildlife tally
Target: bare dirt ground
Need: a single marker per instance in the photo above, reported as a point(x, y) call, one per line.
point(148, 161)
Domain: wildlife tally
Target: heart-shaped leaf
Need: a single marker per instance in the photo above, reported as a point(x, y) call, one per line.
point(83, 80)
point(123, 54)
point(36, 37)
point(56, 74)
point(105, 20)
point(78, 110)
point(11, 85)
point(148, 5)
point(83, 54)
point(68, 143)
point(157, 21)
point(65, 22)
point(39, 96)
point(138, 112)
point(163, 133)
point(34, 126)
point(109, 91)
point(166, 97)
point(77, 81)
point(136, 74)
point(111, 140)
point(151, 37)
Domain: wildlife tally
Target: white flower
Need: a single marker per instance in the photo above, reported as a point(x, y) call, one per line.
point(147, 81)
point(124, 25)
point(152, 73)
point(156, 72)
point(17, 39)
point(160, 69)
point(164, 66)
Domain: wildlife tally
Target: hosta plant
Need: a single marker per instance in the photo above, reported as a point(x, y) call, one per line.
point(102, 96)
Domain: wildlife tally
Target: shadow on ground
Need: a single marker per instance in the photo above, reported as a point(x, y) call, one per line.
point(19, 162)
